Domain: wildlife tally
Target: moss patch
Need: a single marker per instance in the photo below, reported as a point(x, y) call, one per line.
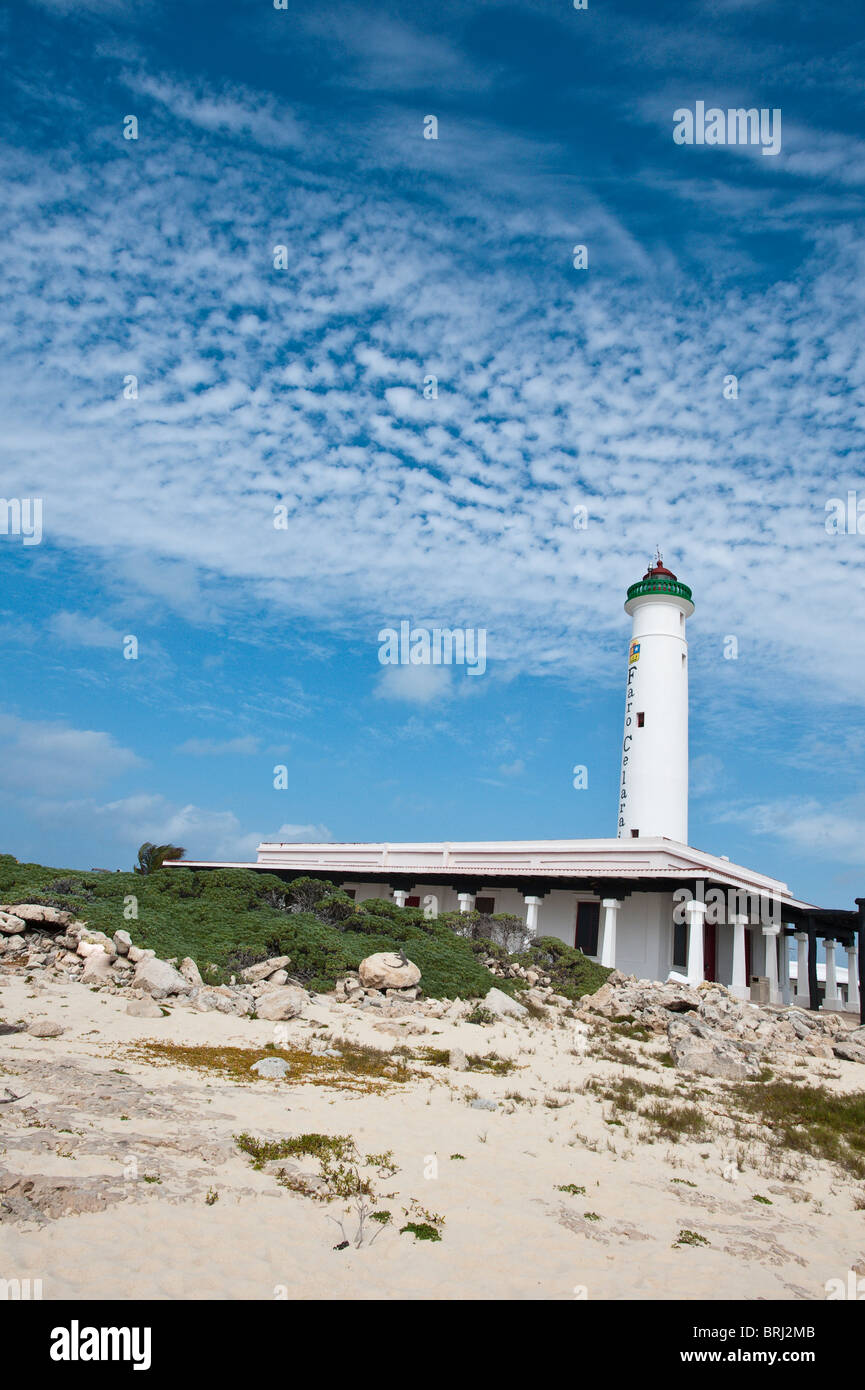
point(359, 1067)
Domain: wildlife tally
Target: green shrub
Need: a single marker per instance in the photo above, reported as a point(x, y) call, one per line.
point(572, 973)
point(228, 917)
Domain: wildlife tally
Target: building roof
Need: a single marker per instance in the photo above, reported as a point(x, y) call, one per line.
point(654, 861)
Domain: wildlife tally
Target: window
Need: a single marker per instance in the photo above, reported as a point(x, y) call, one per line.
point(680, 945)
point(641, 719)
point(586, 933)
point(412, 902)
point(351, 892)
point(487, 905)
point(635, 834)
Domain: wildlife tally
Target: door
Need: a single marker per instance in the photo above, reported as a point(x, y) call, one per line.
point(586, 928)
point(709, 944)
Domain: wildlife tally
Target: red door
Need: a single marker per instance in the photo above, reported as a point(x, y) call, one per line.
point(709, 950)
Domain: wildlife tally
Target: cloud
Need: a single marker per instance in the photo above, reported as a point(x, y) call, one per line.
point(207, 748)
point(833, 834)
point(203, 833)
point(514, 769)
point(79, 630)
point(50, 757)
point(232, 110)
point(556, 389)
point(419, 685)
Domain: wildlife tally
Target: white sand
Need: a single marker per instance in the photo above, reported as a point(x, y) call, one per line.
point(507, 1234)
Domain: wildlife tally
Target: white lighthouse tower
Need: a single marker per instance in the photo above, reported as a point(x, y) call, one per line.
point(653, 793)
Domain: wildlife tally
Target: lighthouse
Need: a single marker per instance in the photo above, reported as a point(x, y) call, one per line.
point(653, 792)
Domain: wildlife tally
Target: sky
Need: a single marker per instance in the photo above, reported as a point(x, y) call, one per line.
point(283, 371)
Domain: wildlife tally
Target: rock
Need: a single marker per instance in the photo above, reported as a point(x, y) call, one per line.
point(485, 1105)
point(279, 977)
point(11, 925)
point(385, 970)
point(137, 954)
point(159, 978)
point(190, 972)
point(122, 942)
point(399, 1027)
point(36, 912)
point(97, 968)
point(265, 968)
point(44, 1028)
point(274, 1068)
point(457, 1060)
point(96, 938)
point(698, 1048)
point(223, 1000)
point(144, 1008)
point(849, 1051)
point(285, 1001)
point(503, 1006)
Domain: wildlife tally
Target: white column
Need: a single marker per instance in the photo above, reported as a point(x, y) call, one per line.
point(853, 977)
point(770, 943)
point(466, 901)
point(607, 943)
point(399, 896)
point(831, 1002)
point(739, 983)
point(532, 908)
point(803, 996)
point(696, 915)
point(784, 967)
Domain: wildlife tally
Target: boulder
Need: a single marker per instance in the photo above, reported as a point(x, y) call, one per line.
point(144, 1008)
point(122, 942)
point(457, 1060)
point(11, 925)
point(503, 1006)
point(36, 912)
point(137, 954)
point(44, 1028)
point(285, 1001)
point(97, 968)
point(849, 1051)
point(265, 968)
point(698, 1048)
point(279, 977)
point(159, 978)
point(221, 999)
point(386, 970)
point(274, 1068)
point(190, 972)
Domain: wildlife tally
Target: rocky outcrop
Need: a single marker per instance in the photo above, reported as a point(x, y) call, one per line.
point(283, 1002)
point(265, 969)
point(502, 1005)
point(714, 1033)
point(386, 970)
point(695, 1046)
point(159, 979)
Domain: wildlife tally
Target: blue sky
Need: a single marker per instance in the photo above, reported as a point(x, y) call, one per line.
point(557, 388)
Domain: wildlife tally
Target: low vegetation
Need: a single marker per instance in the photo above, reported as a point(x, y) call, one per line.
point(359, 1067)
point(809, 1120)
point(231, 918)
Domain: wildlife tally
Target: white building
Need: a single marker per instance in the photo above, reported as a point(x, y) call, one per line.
point(645, 901)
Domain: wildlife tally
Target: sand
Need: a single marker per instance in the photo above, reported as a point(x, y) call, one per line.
point(507, 1231)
